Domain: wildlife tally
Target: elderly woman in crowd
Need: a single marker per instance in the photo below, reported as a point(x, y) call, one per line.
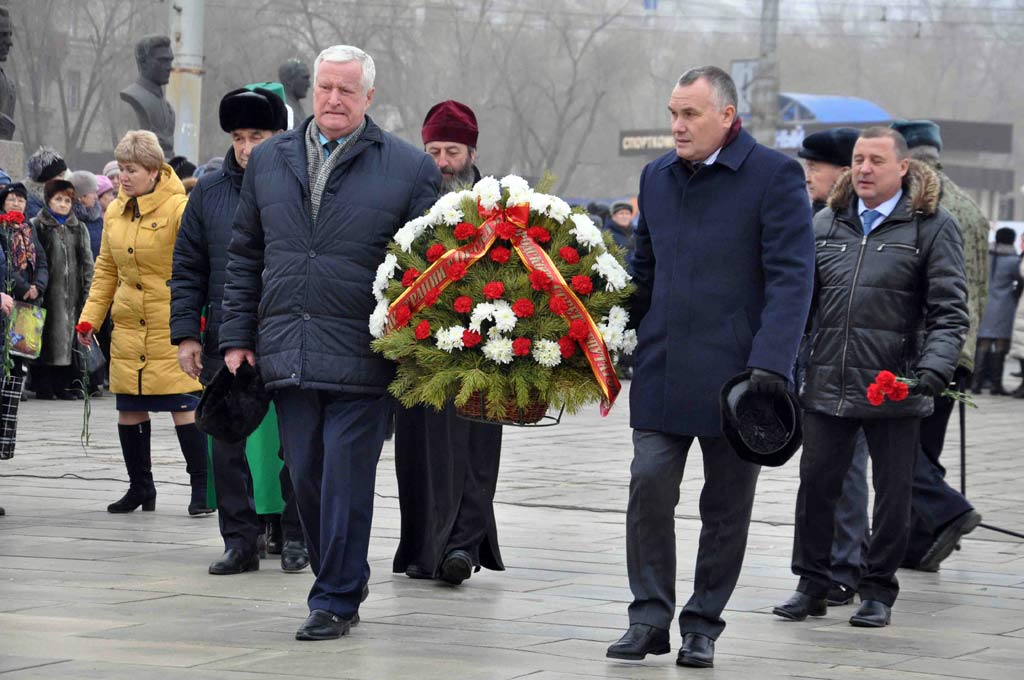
point(70, 261)
point(132, 271)
point(996, 328)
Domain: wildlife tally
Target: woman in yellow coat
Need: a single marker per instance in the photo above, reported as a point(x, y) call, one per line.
point(130, 279)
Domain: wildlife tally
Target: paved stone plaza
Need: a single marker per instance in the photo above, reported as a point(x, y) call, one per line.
point(85, 594)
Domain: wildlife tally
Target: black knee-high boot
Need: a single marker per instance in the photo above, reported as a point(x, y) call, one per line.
point(193, 448)
point(136, 452)
point(980, 369)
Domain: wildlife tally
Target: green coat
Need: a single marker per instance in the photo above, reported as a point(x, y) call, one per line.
point(974, 229)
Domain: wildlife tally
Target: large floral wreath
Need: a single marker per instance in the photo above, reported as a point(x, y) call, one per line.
point(503, 293)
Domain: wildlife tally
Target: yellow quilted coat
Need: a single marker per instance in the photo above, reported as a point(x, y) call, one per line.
point(130, 279)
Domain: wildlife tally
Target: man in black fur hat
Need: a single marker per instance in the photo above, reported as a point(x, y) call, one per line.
point(200, 260)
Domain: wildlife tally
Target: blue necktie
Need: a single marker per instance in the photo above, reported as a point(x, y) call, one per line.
point(868, 219)
point(330, 146)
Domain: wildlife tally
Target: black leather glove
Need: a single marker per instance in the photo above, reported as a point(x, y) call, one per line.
point(766, 382)
point(929, 383)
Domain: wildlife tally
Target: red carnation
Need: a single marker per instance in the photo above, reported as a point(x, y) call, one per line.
point(523, 308)
point(430, 299)
point(505, 230)
point(423, 330)
point(470, 338)
point(540, 281)
point(521, 347)
point(409, 277)
point(13, 217)
point(463, 304)
point(885, 380)
point(899, 391)
point(500, 254)
point(582, 285)
point(539, 234)
point(578, 330)
point(83, 326)
point(402, 316)
point(435, 251)
point(875, 394)
point(569, 254)
point(457, 271)
point(567, 346)
point(558, 306)
point(202, 324)
point(464, 231)
point(494, 290)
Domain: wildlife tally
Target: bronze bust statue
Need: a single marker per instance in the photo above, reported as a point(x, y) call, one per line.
point(145, 96)
point(7, 91)
point(294, 75)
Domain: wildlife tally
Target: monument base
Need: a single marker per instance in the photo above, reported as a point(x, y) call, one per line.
point(12, 159)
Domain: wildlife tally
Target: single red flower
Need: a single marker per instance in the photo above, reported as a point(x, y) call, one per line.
point(523, 308)
point(505, 230)
point(582, 285)
point(463, 304)
point(899, 392)
point(456, 271)
point(875, 394)
point(402, 316)
point(430, 299)
point(539, 234)
point(578, 330)
point(423, 330)
point(464, 231)
point(569, 254)
point(202, 324)
point(885, 381)
point(410, 276)
point(540, 281)
point(494, 290)
point(470, 338)
point(83, 326)
point(500, 254)
point(435, 251)
point(521, 347)
point(567, 346)
point(558, 306)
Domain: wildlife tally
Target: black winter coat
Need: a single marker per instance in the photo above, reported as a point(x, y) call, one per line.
point(201, 260)
point(23, 279)
point(895, 299)
point(300, 294)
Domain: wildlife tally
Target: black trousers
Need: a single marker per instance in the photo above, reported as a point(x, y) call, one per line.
point(725, 505)
point(827, 455)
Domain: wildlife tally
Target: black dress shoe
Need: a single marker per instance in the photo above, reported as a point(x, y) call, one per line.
point(799, 606)
point(294, 557)
point(697, 651)
point(322, 625)
point(872, 614)
point(235, 561)
point(457, 567)
point(274, 541)
point(639, 641)
point(947, 540)
point(839, 595)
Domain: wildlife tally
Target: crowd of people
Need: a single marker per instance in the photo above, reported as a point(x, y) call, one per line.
point(810, 278)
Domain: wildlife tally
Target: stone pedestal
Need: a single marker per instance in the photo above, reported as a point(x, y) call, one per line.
point(12, 159)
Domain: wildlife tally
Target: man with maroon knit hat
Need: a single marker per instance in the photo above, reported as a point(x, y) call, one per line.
point(447, 466)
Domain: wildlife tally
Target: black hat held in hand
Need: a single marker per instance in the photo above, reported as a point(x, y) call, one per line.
point(233, 406)
point(764, 429)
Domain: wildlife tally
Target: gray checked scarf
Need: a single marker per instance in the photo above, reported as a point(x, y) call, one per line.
point(318, 169)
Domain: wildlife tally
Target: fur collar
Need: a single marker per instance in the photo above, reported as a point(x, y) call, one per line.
point(922, 187)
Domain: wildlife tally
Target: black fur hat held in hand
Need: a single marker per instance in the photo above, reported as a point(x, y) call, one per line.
point(233, 406)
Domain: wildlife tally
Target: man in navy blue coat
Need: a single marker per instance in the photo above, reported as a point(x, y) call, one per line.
point(724, 266)
point(319, 204)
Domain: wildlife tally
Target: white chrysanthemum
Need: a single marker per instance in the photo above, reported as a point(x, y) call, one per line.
point(488, 192)
point(379, 319)
point(586, 232)
point(412, 230)
point(557, 209)
point(612, 335)
point(615, 276)
point(539, 203)
point(617, 316)
point(449, 338)
point(451, 200)
point(518, 189)
point(547, 353)
point(498, 350)
point(385, 272)
point(504, 318)
point(628, 342)
point(451, 216)
point(481, 312)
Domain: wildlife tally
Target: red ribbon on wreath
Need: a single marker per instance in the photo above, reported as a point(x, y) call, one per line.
point(452, 266)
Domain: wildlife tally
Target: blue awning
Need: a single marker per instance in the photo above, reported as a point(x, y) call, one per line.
point(826, 108)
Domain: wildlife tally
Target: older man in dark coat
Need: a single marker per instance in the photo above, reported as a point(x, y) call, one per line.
point(319, 204)
point(724, 267)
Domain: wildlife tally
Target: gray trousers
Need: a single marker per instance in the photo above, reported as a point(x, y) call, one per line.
point(725, 505)
point(850, 543)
